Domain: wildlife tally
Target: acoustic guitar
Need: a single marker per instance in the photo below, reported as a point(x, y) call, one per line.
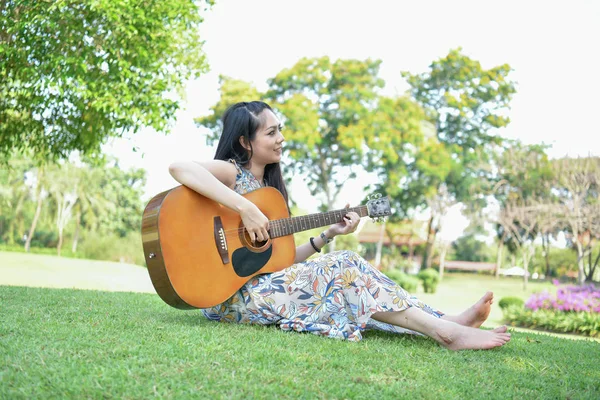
point(199, 254)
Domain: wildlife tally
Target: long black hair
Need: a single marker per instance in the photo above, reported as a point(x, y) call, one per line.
point(242, 119)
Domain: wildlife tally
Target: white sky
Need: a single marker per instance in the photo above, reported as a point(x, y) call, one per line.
point(552, 46)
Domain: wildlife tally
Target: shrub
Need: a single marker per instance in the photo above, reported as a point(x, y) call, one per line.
point(430, 279)
point(408, 283)
point(583, 323)
point(114, 248)
point(508, 301)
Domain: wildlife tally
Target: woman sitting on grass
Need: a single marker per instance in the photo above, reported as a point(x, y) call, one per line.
point(336, 295)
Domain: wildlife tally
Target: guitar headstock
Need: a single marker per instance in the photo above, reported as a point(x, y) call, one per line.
point(378, 207)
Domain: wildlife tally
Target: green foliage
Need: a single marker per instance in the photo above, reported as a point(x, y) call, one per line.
point(561, 261)
point(469, 248)
point(335, 120)
point(407, 282)
point(583, 323)
point(103, 198)
point(114, 247)
point(430, 279)
point(465, 103)
point(510, 301)
point(40, 250)
point(347, 242)
point(321, 101)
point(74, 73)
point(232, 91)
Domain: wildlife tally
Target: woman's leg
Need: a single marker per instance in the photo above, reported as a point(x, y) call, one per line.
point(447, 333)
point(475, 315)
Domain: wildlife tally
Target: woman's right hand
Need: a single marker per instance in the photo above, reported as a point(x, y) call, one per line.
point(255, 222)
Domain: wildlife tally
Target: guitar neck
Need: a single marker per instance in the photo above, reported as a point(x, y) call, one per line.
point(289, 226)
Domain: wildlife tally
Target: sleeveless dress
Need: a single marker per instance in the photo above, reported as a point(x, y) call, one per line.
point(333, 295)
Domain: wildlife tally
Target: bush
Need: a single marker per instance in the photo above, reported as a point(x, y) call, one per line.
point(583, 323)
point(65, 252)
point(408, 283)
point(508, 301)
point(114, 248)
point(430, 279)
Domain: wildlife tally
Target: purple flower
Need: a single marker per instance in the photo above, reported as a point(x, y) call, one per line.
point(572, 298)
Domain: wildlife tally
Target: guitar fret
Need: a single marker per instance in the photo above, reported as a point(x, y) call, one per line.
point(288, 226)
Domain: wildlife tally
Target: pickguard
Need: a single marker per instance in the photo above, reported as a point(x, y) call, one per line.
point(246, 262)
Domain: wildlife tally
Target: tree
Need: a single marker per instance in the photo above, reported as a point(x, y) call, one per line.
point(466, 104)
point(62, 183)
point(322, 102)
point(40, 195)
point(231, 91)
point(336, 123)
point(520, 220)
point(469, 248)
point(577, 184)
point(92, 204)
point(14, 194)
point(524, 172)
point(76, 73)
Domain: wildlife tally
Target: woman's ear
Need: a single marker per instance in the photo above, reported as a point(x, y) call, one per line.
point(244, 143)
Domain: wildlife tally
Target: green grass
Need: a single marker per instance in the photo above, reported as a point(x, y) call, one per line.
point(57, 343)
point(458, 291)
point(38, 270)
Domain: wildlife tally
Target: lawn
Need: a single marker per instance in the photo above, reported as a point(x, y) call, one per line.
point(57, 343)
point(37, 270)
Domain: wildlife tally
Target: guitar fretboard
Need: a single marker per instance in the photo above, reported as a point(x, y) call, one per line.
point(288, 226)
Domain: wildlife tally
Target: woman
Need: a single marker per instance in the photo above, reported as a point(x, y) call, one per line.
point(336, 295)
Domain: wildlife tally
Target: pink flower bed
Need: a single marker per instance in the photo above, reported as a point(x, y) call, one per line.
point(570, 298)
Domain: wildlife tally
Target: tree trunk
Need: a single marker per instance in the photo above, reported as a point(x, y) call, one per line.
point(499, 256)
point(379, 246)
point(443, 259)
point(431, 233)
point(593, 267)
point(546, 247)
point(38, 210)
point(76, 234)
point(13, 222)
point(526, 268)
point(60, 242)
point(499, 260)
point(580, 264)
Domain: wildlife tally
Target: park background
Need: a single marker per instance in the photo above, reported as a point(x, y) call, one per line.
point(507, 201)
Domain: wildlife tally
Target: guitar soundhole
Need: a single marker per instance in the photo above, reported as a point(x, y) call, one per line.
point(256, 247)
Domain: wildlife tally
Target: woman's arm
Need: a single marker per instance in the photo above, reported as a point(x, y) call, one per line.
point(215, 180)
point(346, 226)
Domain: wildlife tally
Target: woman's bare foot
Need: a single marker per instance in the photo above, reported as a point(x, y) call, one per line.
point(475, 315)
point(458, 337)
point(500, 329)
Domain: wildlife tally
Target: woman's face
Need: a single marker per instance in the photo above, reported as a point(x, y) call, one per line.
point(268, 141)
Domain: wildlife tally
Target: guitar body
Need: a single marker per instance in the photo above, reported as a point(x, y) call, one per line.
point(196, 252)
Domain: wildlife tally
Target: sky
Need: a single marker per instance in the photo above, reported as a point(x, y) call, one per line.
point(552, 47)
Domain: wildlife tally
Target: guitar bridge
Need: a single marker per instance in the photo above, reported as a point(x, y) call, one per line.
point(221, 240)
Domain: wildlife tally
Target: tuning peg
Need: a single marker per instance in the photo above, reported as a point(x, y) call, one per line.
point(374, 196)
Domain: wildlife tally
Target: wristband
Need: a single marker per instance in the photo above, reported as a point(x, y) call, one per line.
point(326, 240)
point(312, 243)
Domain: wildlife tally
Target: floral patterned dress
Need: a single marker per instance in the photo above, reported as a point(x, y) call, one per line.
point(333, 295)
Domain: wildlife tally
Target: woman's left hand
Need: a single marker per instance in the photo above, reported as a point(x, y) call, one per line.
point(346, 226)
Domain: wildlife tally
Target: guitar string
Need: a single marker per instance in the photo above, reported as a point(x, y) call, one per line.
point(280, 224)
